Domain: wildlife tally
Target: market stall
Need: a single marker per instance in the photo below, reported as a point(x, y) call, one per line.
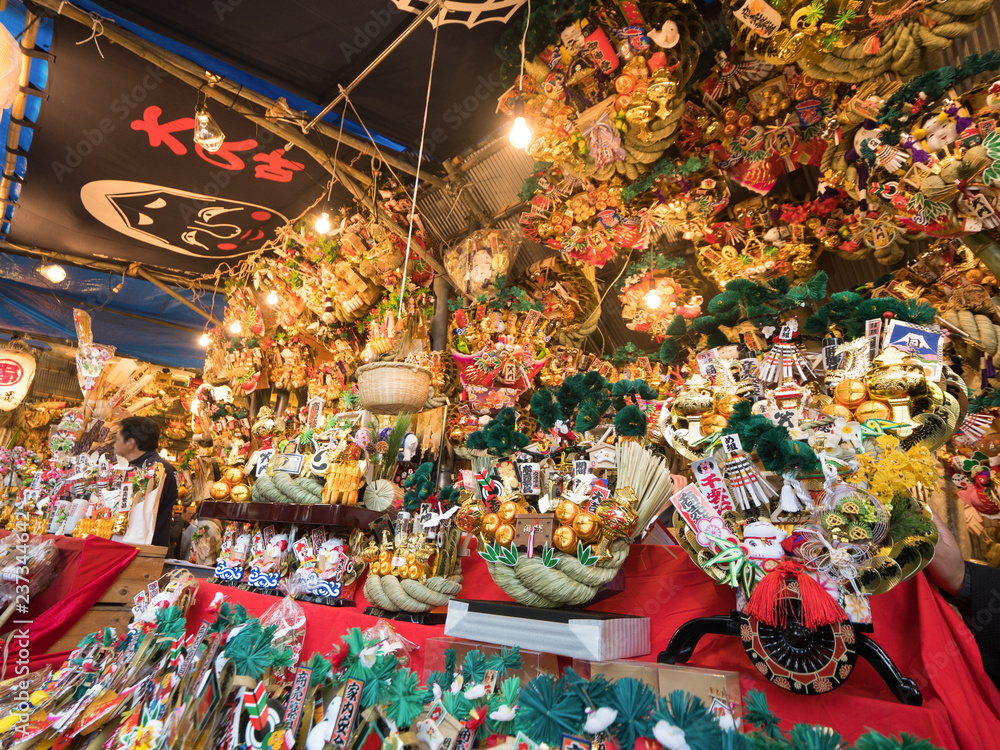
point(662, 417)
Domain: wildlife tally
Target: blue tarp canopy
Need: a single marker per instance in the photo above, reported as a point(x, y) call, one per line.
point(140, 320)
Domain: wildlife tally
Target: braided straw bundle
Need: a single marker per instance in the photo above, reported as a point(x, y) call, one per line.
point(406, 595)
point(902, 46)
point(570, 583)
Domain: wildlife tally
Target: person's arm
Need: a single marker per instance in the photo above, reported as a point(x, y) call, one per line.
point(947, 569)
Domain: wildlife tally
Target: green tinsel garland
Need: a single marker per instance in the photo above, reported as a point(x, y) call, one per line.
point(849, 311)
point(666, 167)
point(659, 263)
point(531, 184)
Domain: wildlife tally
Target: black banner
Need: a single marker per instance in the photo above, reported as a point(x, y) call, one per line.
point(113, 171)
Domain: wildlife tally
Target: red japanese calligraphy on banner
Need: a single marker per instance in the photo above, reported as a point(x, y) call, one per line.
point(270, 166)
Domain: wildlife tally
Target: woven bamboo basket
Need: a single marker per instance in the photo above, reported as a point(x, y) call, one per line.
point(568, 584)
point(393, 387)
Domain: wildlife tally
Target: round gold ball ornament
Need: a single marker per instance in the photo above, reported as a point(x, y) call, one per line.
point(836, 410)
point(504, 534)
point(564, 539)
point(240, 493)
point(219, 491)
point(850, 392)
point(872, 410)
point(507, 511)
point(233, 475)
point(489, 524)
point(566, 511)
point(586, 527)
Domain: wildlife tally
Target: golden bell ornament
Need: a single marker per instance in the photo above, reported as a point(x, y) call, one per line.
point(586, 527)
point(566, 511)
point(240, 493)
point(233, 475)
point(616, 514)
point(219, 491)
point(850, 392)
point(564, 539)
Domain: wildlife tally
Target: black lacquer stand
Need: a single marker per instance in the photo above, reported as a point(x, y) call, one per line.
point(684, 641)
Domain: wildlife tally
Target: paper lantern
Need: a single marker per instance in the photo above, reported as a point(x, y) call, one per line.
point(17, 371)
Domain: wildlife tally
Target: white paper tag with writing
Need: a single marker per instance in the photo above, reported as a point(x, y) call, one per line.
point(759, 17)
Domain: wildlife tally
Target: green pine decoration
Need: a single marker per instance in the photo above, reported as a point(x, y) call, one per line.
point(689, 714)
point(321, 669)
point(376, 688)
point(634, 701)
point(474, 667)
point(170, 623)
point(582, 400)
point(420, 487)
point(252, 651)
point(507, 660)
point(499, 437)
point(631, 422)
point(405, 698)
point(547, 710)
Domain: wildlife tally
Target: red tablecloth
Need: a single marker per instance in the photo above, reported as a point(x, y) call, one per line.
point(86, 569)
point(925, 638)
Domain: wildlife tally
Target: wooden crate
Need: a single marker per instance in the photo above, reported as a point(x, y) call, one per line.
point(100, 616)
point(145, 567)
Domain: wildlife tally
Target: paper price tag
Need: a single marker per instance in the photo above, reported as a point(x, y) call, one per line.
point(731, 444)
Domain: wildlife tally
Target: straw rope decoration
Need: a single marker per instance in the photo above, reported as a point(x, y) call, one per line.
point(570, 582)
point(391, 594)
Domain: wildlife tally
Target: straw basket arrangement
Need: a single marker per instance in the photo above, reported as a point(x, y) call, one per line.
point(393, 387)
point(407, 595)
point(568, 584)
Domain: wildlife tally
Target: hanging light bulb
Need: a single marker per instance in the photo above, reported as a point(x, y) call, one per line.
point(235, 328)
point(652, 299)
point(207, 132)
point(205, 340)
point(53, 272)
point(520, 133)
point(322, 224)
point(272, 297)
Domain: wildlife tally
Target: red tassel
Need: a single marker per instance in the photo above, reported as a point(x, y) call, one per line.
point(766, 603)
point(818, 607)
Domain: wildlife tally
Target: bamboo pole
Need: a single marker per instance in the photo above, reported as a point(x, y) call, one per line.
point(186, 302)
point(134, 43)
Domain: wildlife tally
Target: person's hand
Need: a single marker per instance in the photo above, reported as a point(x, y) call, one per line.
point(947, 569)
